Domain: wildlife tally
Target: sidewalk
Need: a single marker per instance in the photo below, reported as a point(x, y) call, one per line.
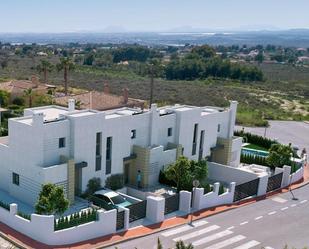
point(23, 241)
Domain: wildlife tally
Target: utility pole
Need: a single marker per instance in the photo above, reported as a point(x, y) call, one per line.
point(151, 85)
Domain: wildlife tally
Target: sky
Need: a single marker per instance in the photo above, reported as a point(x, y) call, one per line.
point(151, 15)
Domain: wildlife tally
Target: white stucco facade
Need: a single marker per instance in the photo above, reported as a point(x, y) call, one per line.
point(37, 144)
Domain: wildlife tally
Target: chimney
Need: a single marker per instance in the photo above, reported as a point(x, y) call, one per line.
point(71, 105)
point(106, 88)
point(35, 80)
point(125, 95)
point(38, 119)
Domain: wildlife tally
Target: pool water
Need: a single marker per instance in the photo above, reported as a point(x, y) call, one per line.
point(246, 151)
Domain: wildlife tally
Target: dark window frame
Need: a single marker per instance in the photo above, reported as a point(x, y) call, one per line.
point(62, 142)
point(170, 132)
point(15, 179)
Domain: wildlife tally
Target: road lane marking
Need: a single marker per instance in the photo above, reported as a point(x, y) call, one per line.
point(232, 227)
point(293, 205)
point(184, 228)
point(271, 213)
point(248, 245)
point(304, 201)
point(212, 237)
point(226, 242)
point(244, 223)
point(285, 208)
point(268, 247)
point(260, 217)
point(197, 233)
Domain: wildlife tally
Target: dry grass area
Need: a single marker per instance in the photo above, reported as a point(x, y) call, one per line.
point(284, 95)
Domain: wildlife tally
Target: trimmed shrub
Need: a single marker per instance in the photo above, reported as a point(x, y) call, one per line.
point(75, 219)
point(256, 139)
point(221, 189)
point(93, 185)
point(115, 182)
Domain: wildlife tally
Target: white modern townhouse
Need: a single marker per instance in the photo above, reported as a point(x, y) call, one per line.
point(68, 147)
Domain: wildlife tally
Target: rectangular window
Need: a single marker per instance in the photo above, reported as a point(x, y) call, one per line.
point(98, 144)
point(62, 142)
point(109, 141)
point(98, 159)
point(218, 128)
point(15, 179)
point(133, 134)
point(194, 139)
point(169, 132)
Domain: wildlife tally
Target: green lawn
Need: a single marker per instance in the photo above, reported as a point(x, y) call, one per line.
point(255, 147)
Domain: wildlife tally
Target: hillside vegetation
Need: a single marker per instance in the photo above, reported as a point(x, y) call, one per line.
point(274, 92)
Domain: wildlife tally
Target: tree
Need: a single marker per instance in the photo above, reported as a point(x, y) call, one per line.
point(181, 245)
point(51, 200)
point(199, 170)
point(93, 185)
point(45, 67)
point(279, 155)
point(29, 94)
point(184, 171)
point(179, 172)
point(66, 65)
point(159, 245)
point(4, 98)
point(259, 57)
point(4, 63)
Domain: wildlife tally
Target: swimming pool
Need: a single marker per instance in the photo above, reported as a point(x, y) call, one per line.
point(247, 151)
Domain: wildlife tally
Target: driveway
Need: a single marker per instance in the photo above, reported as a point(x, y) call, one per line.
point(285, 132)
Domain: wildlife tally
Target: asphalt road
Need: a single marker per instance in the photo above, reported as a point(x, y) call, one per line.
point(271, 223)
point(285, 132)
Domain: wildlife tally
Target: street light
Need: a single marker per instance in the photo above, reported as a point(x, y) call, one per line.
point(195, 184)
point(290, 187)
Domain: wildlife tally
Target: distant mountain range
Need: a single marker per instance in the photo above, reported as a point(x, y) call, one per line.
point(177, 37)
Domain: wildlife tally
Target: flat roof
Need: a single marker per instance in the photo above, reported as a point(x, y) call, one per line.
point(82, 114)
point(51, 112)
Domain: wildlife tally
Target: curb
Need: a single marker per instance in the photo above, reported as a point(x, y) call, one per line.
point(196, 217)
point(245, 202)
point(4, 236)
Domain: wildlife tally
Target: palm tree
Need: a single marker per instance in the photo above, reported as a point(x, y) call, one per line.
point(45, 67)
point(28, 93)
point(154, 70)
point(66, 65)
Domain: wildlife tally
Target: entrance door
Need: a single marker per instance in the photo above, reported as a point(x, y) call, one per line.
point(126, 173)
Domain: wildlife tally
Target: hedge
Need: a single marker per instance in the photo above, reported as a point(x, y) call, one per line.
point(256, 139)
point(76, 219)
point(253, 159)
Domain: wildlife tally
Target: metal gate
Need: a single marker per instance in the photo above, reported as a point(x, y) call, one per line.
point(246, 189)
point(120, 220)
point(171, 204)
point(137, 211)
point(274, 182)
